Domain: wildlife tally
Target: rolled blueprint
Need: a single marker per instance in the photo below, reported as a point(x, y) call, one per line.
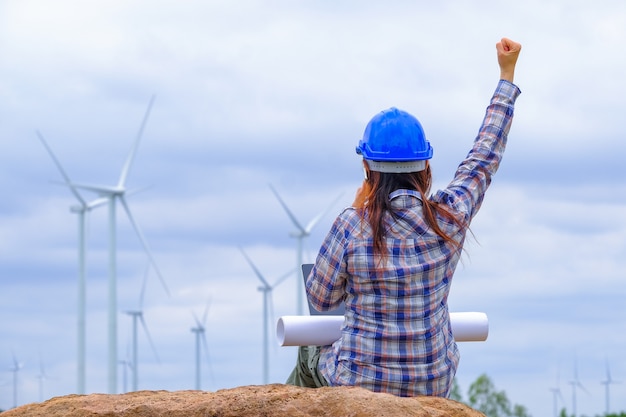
point(324, 330)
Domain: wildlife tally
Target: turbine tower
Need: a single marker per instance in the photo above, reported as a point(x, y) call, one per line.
point(300, 234)
point(266, 289)
point(113, 194)
point(81, 210)
point(607, 384)
point(200, 332)
point(137, 316)
point(15, 369)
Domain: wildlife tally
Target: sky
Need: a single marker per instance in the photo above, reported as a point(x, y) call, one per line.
point(251, 95)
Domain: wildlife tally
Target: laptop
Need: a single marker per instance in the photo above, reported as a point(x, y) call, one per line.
point(339, 311)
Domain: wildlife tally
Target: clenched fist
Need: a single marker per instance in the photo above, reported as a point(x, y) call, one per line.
point(508, 51)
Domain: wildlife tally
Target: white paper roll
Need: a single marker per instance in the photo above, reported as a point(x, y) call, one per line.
point(308, 330)
point(469, 326)
point(324, 330)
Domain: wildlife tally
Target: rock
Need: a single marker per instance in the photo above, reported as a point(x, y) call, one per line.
point(274, 400)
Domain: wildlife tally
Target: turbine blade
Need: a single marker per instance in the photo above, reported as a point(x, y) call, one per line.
point(284, 277)
point(254, 268)
point(137, 190)
point(144, 243)
point(143, 286)
point(100, 189)
point(270, 302)
point(61, 170)
point(16, 363)
point(272, 317)
point(317, 218)
point(289, 213)
point(205, 343)
point(131, 156)
point(145, 328)
point(97, 203)
point(198, 323)
point(208, 356)
point(206, 312)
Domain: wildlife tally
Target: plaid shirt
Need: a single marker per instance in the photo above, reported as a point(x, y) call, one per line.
point(396, 336)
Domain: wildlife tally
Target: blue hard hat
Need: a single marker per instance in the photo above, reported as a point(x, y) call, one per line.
point(394, 141)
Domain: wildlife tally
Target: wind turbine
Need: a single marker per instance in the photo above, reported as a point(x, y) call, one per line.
point(126, 364)
point(266, 289)
point(575, 383)
point(300, 234)
point(200, 332)
point(113, 194)
point(42, 377)
point(82, 209)
point(607, 384)
point(137, 316)
point(15, 369)
point(556, 394)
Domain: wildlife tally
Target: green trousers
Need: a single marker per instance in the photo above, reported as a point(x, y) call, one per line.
point(306, 373)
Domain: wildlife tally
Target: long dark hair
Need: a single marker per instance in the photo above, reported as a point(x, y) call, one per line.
point(372, 202)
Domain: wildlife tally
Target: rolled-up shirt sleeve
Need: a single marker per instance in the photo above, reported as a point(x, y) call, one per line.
point(473, 175)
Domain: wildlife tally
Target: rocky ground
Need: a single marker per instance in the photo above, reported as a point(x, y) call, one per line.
point(275, 400)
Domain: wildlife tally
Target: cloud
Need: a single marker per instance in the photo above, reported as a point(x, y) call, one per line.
point(279, 93)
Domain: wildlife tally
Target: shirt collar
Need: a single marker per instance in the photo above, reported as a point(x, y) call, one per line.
point(402, 199)
point(402, 192)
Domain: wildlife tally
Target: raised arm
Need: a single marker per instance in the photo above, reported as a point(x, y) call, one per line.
point(473, 176)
